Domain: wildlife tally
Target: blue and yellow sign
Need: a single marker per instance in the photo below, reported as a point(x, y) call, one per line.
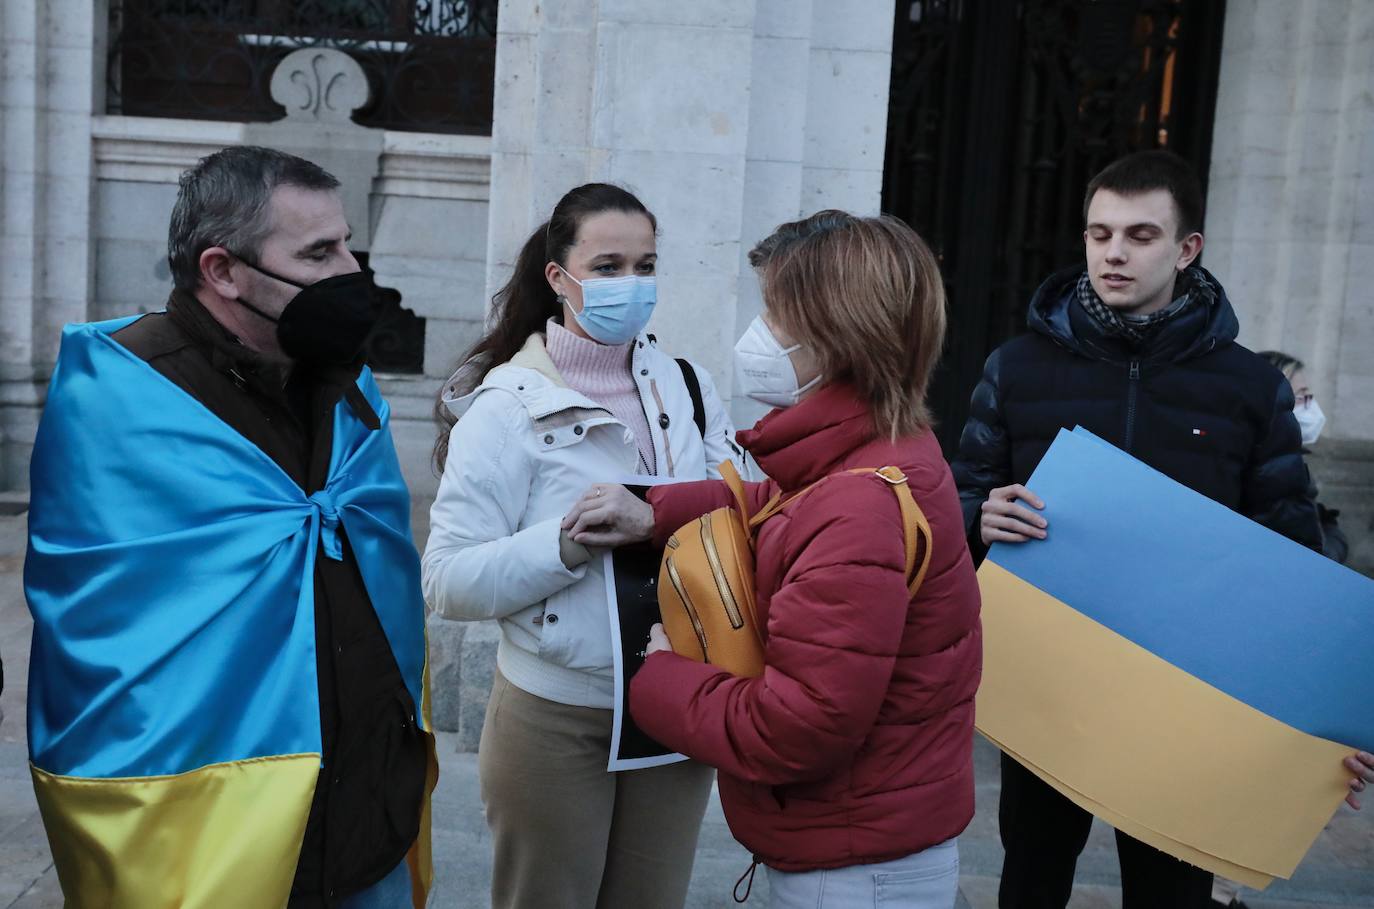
point(1177, 669)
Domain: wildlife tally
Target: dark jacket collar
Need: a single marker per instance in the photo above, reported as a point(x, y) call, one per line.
point(1056, 313)
point(798, 445)
point(229, 355)
point(225, 351)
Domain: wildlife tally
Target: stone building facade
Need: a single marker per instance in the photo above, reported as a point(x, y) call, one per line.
point(727, 117)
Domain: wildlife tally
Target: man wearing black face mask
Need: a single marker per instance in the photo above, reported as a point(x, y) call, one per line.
point(265, 329)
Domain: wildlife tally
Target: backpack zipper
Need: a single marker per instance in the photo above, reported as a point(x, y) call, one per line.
point(727, 597)
point(687, 604)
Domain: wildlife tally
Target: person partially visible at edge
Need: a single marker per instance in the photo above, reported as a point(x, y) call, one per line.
point(566, 390)
point(1311, 421)
point(217, 451)
point(847, 767)
point(1139, 348)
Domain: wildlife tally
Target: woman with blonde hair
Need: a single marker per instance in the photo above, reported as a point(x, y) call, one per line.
point(846, 767)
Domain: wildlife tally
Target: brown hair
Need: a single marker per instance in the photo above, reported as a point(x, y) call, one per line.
point(866, 297)
point(1145, 171)
point(526, 302)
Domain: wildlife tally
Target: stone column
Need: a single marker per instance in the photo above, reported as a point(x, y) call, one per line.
point(47, 96)
point(1290, 223)
point(725, 117)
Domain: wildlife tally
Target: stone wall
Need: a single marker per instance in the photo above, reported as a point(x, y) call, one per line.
point(1290, 222)
point(48, 55)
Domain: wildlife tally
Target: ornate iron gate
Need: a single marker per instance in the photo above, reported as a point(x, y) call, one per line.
point(431, 63)
point(1001, 112)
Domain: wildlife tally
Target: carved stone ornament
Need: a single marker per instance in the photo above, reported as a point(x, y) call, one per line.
point(319, 85)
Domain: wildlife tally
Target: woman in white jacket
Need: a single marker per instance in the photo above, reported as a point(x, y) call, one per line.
point(566, 391)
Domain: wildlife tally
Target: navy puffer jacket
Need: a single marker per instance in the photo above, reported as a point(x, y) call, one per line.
point(1192, 403)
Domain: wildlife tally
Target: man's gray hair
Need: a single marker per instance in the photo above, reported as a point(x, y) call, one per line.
point(223, 201)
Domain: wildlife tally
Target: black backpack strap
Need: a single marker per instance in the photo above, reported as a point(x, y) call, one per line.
point(689, 376)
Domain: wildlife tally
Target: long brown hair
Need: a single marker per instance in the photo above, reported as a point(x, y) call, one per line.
point(865, 295)
point(526, 302)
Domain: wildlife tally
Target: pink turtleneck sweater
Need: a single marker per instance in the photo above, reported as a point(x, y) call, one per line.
point(602, 373)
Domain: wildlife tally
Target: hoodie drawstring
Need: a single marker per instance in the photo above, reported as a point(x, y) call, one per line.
point(749, 875)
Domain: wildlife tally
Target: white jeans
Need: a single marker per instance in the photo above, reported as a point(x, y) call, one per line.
point(922, 880)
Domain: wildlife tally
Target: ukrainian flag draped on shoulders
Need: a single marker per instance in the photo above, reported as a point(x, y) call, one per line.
point(174, 717)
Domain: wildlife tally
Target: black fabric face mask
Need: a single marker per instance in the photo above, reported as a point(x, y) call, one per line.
point(329, 321)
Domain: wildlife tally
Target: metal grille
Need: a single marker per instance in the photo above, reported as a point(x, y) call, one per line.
point(430, 63)
point(1000, 113)
point(397, 344)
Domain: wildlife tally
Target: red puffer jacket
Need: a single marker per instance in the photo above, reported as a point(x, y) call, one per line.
point(855, 745)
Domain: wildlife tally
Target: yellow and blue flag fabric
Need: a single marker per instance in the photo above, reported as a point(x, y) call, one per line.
point(1187, 675)
point(174, 725)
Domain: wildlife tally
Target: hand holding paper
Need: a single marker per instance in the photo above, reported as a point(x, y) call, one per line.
point(1004, 521)
point(1159, 654)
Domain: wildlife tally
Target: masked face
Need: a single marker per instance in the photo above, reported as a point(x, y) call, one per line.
point(1311, 420)
point(764, 370)
point(615, 310)
point(606, 281)
point(328, 322)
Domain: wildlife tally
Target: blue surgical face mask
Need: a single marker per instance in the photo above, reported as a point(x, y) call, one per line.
point(615, 310)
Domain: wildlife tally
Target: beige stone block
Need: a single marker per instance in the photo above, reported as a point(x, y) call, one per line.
point(68, 84)
point(555, 173)
point(783, 18)
point(772, 196)
point(846, 124)
point(70, 24)
point(435, 228)
point(700, 13)
point(853, 25)
point(133, 211)
point(644, 102)
point(693, 320)
point(778, 99)
point(131, 275)
point(565, 79)
point(514, 94)
point(697, 199)
point(509, 216)
point(855, 191)
point(446, 342)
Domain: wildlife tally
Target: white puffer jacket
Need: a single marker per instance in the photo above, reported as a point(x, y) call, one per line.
point(525, 448)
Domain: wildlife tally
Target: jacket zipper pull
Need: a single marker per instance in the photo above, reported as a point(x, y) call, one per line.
point(1135, 369)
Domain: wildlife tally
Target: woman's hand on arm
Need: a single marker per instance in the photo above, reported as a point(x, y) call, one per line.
point(609, 515)
point(658, 640)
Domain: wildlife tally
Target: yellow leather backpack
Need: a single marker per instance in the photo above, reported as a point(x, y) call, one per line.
point(706, 581)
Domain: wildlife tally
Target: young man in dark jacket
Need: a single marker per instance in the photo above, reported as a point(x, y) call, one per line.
point(1139, 348)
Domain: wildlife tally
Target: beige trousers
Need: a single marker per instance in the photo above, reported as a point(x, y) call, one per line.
point(569, 835)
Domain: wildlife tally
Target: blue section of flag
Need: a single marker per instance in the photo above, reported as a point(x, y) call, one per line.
point(170, 572)
point(1236, 605)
